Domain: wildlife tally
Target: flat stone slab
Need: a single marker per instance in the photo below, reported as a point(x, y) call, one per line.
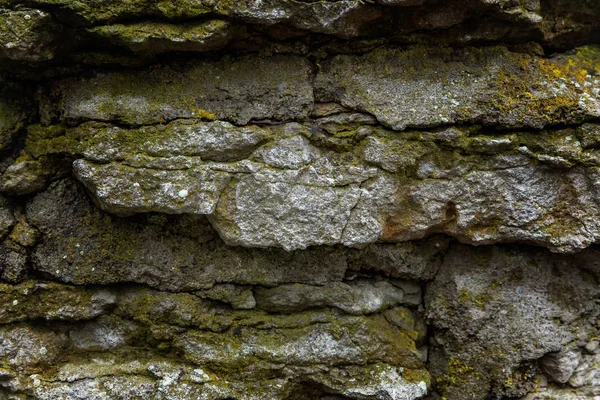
point(426, 87)
point(249, 88)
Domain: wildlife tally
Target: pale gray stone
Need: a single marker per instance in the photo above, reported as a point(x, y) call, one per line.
point(517, 305)
point(560, 366)
point(104, 334)
point(277, 211)
point(126, 190)
point(355, 298)
point(24, 347)
point(291, 193)
point(587, 372)
point(424, 87)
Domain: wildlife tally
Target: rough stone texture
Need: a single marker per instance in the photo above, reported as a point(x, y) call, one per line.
point(251, 88)
point(495, 310)
point(356, 298)
point(84, 246)
point(137, 327)
point(424, 87)
point(475, 185)
point(299, 200)
point(27, 35)
point(560, 366)
point(160, 37)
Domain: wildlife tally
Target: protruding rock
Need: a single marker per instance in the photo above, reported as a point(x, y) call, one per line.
point(303, 189)
point(126, 190)
point(560, 365)
point(27, 35)
point(24, 177)
point(155, 37)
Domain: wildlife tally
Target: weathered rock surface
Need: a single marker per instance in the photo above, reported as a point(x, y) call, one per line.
point(250, 88)
point(561, 365)
point(131, 330)
point(424, 87)
point(160, 37)
point(81, 245)
point(495, 311)
point(27, 35)
point(356, 298)
point(84, 246)
point(299, 200)
point(478, 186)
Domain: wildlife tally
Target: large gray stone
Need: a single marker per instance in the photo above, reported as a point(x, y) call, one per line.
point(282, 189)
point(424, 86)
point(495, 309)
point(241, 90)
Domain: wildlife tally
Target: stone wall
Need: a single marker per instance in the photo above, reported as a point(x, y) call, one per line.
point(299, 200)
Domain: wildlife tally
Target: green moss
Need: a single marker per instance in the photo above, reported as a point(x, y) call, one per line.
point(55, 139)
point(519, 93)
point(155, 37)
point(459, 372)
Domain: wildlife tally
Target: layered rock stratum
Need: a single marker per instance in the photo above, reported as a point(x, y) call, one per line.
point(299, 200)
